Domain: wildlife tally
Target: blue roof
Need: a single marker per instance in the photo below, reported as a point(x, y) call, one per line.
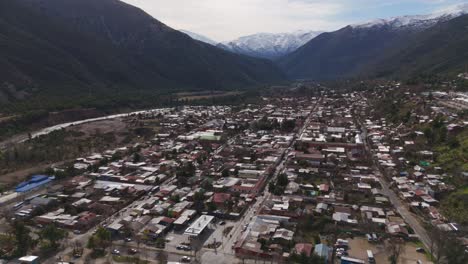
point(34, 182)
point(322, 250)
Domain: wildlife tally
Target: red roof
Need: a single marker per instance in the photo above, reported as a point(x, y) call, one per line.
point(419, 193)
point(167, 220)
point(86, 216)
point(324, 187)
point(304, 247)
point(220, 198)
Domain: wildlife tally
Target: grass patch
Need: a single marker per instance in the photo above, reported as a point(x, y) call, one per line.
point(455, 206)
point(129, 259)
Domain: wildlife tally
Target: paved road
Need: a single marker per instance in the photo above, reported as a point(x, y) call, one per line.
point(411, 219)
point(209, 256)
point(44, 131)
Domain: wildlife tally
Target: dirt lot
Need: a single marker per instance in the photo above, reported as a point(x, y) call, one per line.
point(85, 133)
point(199, 96)
point(102, 127)
point(358, 249)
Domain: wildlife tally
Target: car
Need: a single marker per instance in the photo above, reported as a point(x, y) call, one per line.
point(187, 248)
point(222, 223)
point(185, 259)
point(128, 239)
point(420, 250)
point(116, 252)
point(132, 251)
point(76, 232)
point(184, 247)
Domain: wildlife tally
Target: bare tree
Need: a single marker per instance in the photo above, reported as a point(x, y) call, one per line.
point(438, 239)
point(162, 257)
point(395, 247)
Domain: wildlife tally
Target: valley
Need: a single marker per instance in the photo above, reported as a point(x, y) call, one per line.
point(124, 140)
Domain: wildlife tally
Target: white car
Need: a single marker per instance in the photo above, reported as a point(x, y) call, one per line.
point(185, 259)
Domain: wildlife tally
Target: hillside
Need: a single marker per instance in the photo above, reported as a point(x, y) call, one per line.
point(75, 47)
point(440, 49)
point(398, 47)
point(340, 54)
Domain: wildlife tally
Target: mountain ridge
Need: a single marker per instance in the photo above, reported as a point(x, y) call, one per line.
point(76, 47)
point(363, 49)
point(269, 45)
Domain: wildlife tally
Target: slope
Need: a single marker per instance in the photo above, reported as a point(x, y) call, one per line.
point(439, 49)
point(71, 47)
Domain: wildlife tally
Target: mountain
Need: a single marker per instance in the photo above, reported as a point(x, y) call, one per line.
point(68, 48)
point(269, 45)
point(199, 37)
point(442, 48)
point(357, 49)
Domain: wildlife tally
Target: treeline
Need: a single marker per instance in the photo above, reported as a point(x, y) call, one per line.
point(57, 146)
point(36, 110)
point(265, 124)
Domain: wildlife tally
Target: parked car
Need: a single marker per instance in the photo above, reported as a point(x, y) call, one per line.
point(222, 223)
point(128, 239)
point(420, 250)
point(185, 259)
point(116, 252)
point(132, 251)
point(184, 247)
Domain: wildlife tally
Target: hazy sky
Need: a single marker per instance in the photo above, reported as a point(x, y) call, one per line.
point(224, 20)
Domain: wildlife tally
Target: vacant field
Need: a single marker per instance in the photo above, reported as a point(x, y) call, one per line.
point(204, 95)
point(358, 249)
point(5, 118)
point(20, 160)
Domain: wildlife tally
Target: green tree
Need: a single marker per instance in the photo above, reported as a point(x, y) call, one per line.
point(454, 251)
point(100, 241)
point(211, 206)
point(52, 235)
point(22, 238)
point(282, 180)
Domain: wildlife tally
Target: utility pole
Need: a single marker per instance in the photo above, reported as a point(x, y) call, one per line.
point(215, 248)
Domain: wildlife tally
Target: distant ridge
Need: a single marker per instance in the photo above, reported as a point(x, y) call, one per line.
point(67, 48)
point(269, 45)
point(199, 37)
point(383, 47)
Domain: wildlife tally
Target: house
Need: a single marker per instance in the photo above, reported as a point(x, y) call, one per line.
point(283, 234)
point(221, 198)
point(29, 260)
point(323, 251)
point(303, 248)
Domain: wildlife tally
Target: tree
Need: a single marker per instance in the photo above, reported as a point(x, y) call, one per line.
point(100, 241)
point(51, 236)
point(395, 247)
point(304, 259)
point(282, 180)
point(211, 206)
point(288, 125)
point(136, 157)
point(454, 251)
point(22, 238)
point(438, 238)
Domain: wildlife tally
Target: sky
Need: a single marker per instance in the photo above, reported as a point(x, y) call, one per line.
point(225, 20)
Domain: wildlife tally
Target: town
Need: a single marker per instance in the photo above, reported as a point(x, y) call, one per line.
point(332, 176)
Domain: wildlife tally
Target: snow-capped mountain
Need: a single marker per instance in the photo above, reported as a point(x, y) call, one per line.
point(418, 21)
point(399, 45)
point(199, 37)
point(269, 45)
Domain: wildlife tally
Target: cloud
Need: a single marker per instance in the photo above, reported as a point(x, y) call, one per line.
point(224, 20)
